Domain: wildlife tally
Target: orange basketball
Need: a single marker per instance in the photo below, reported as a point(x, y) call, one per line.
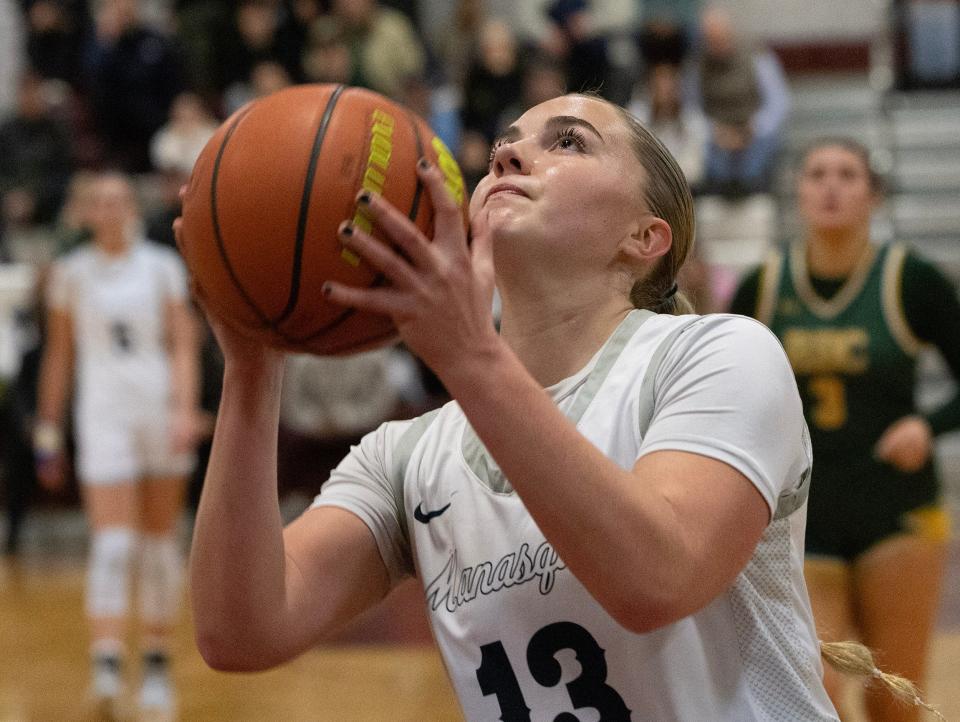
point(268, 193)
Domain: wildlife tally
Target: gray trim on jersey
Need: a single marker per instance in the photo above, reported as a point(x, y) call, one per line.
point(401, 457)
point(608, 356)
point(789, 501)
point(647, 396)
point(475, 453)
point(482, 464)
point(793, 499)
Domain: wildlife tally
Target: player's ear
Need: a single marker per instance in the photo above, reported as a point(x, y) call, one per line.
point(650, 238)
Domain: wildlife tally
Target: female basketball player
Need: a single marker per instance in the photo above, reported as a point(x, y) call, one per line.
point(852, 316)
point(610, 515)
point(120, 331)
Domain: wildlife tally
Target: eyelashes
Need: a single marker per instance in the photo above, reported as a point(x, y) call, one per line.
point(493, 150)
point(570, 135)
point(565, 139)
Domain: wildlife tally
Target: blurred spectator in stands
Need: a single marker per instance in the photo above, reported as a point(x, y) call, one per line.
point(158, 217)
point(202, 41)
point(473, 157)
point(34, 168)
point(667, 30)
point(159, 15)
point(573, 40)
point(456, 43)
point(173, 150)
point(384, 46)
point(327, 57)
point(11, 54)
point(328, 403)
point(266, 77)
point(927, 43)
point(681, 125)
point(18, 405)
point(55, 32)
point(746, 98)
point(177, 145)
point(303, 14)
point(410, 8)
point(262, 31)
point(437, 106)
point(494, 79)
point(73, 226)
point(543, 79)
point(132, 74)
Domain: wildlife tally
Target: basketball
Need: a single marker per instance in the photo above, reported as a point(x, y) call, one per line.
point(268, 193)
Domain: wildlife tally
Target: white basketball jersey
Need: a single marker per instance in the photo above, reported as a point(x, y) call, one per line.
point(521, 637)
point(118, 306)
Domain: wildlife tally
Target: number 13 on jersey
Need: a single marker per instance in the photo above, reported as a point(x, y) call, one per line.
point(588, 690)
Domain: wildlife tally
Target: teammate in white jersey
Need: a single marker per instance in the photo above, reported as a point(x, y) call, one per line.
point(121, 333)
point(607, 521)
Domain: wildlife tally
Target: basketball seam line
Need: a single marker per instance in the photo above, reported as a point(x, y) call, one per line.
point(305, 206)
point(379, 279)
point(221, 246)
point(216, 223)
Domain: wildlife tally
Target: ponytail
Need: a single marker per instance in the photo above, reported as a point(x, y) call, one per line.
point(855, 660)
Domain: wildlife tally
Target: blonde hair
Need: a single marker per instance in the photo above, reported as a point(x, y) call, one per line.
point(668, 196)
point(854, 659)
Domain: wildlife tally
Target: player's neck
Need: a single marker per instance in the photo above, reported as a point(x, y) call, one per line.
point(554, 344)
point(112, 244)
point(835, 255)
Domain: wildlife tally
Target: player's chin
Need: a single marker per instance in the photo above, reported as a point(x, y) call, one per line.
point(503, 218)
point(501, 226)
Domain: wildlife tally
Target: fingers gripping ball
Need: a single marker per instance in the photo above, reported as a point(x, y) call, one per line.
point(266, 197)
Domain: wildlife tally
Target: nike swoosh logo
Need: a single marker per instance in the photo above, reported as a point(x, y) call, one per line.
point(424, 517)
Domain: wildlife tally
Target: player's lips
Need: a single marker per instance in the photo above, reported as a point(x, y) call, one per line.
point(505, 189)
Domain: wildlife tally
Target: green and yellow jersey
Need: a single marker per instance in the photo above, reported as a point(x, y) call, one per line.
point(853, 343)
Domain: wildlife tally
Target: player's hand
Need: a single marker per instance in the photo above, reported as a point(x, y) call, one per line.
point(906, 444)
point(48, 457)
point(441, 293)
point(239, 350)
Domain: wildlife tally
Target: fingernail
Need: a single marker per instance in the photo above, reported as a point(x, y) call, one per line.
point(346, 229)
point(325, 289)
point(423, 164)
point(364, 198)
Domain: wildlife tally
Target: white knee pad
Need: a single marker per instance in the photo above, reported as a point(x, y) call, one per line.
point(108, 571)
point(161, 573)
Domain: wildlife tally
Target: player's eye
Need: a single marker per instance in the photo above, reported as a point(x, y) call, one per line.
point(570, 138)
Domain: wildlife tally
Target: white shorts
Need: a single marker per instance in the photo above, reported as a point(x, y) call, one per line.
point(115, 448)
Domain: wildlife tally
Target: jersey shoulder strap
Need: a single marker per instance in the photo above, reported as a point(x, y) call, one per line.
point(401, 458)
point(768, 287)
point(892, 300)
